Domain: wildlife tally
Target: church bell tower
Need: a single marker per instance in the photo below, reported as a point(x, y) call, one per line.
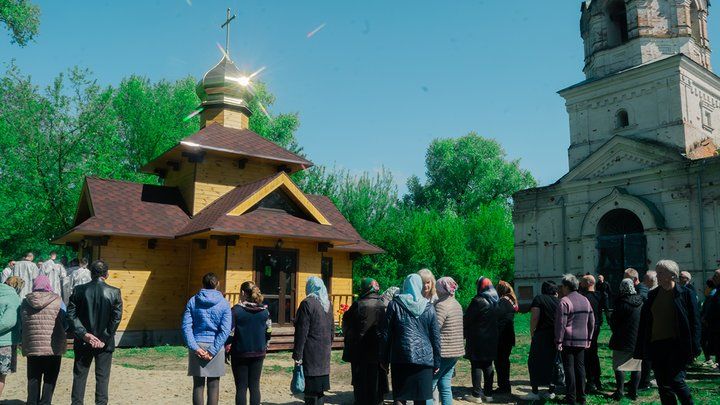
point(648, 77)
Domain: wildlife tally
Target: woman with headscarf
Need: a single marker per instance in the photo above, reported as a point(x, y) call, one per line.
point(43, 339)
point(360, 329)
point(389, 294)
point(450, 321)
point(428, 279)
point(481, 340)
point(625, 322)
point(410, 343)
point(507, 307)
point(543, 355)
point(314, 334)
point(9, 326)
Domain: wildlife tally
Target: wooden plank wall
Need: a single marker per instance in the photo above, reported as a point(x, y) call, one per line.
point(153, 281)
point(203, 261)
point(217, 175)
point(240, 266)
point(183, 179)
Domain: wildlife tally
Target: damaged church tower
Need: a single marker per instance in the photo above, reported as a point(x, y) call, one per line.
point(644, 134)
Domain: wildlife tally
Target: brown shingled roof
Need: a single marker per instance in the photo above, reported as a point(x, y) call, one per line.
point(243, 142)
point(125, 208)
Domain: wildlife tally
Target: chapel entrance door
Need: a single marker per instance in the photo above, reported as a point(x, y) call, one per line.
point(275, 271)
point(621, 243)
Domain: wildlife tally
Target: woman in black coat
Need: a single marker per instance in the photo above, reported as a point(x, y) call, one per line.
point(624, 323)
point(507, 307)
point(481, 339)
point(360, 329)
point(410, 342)
point(314, 334)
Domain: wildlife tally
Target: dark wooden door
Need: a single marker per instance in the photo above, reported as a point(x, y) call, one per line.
point(275, 274)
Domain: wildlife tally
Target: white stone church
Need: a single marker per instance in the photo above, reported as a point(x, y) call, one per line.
point(644, 179)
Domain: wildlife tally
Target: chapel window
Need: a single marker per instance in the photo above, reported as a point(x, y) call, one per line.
point(617, 33)
point(695, 22)
point(622, 119)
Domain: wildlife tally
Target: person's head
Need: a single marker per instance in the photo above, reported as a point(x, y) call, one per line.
point(83, 262)
point(716, 278)
point(633, 275)
point(446, 287)
point(315, 287)
point(16, 283)
point(668, 272)
point(209, 281)
point(99, 269)
point(29, 256)
point(587, 283)
point(627, 287)
point(568, 284)
point(53, 255)
point(42, 284)
point(549, 288)
point(601, 279)
point(368, 286)
point(251, 293)
point(428, 280)
point(11, 263)
point(504, 289)
point(685, 278)
point(389, 294)
point(650, 280)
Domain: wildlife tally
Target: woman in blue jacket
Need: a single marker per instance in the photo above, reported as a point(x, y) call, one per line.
point(410, 342)
point(206, 326)
point(252, 324)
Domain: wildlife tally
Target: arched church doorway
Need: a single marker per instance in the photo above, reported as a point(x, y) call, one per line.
point(621, 243)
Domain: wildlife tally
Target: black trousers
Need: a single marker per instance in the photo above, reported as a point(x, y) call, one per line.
point(103, 363)
point(669, 372)
point(634, 382)
point(42, 375)
point(482, 371)
point(502, 366)
point(246, 372)
point(592, 364)
point(574, 366)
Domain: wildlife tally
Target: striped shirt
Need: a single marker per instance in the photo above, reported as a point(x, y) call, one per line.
point(574, 321)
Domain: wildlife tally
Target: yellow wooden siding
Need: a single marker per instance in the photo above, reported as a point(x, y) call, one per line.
point(203, 261)
point(183, 179)
point(153, 281)
point(240, 266)
point(225, 117)
point(217, 175)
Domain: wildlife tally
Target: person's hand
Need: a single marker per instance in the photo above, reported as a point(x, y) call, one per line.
point(93, 341)
point(437, 370)
point(201, 353)
point(559, 347)
point(298, 362)
point(207, 356)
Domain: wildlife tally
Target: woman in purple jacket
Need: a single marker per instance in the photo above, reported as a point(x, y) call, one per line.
point(206, 326)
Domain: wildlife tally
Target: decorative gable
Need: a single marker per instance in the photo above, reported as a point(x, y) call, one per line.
point(280, 183)
point(622, 155)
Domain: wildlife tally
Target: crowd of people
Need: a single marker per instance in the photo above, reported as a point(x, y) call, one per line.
point(39, 318)
point(406, 341)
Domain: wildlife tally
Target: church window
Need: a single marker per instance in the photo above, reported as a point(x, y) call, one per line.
point(695, 22)
point(622, 119)
point(617, 33)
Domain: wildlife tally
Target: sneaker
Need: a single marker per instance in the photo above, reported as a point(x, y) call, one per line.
point(488, 399)
point(617, 396)
point(531, 396)
point(653, 383)
point(472, 399)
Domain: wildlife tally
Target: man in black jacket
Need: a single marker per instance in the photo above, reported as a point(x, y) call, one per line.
point(669, 333)
point(94, 313)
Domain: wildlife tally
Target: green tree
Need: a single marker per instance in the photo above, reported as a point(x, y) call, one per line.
point(22, 18)
point(465, 173)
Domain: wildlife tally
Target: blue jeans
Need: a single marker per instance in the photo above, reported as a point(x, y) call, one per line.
point(442, 381)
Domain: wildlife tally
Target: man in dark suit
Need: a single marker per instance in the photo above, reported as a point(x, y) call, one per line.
point(94, 313)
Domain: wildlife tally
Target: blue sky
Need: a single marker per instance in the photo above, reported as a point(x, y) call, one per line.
point(373, 88)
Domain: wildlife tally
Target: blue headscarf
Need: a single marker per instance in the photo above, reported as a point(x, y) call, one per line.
point(316, 288)
point(411, 295)
point(486, 290)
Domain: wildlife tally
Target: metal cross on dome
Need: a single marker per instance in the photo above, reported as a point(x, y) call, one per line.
point(226, 25)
